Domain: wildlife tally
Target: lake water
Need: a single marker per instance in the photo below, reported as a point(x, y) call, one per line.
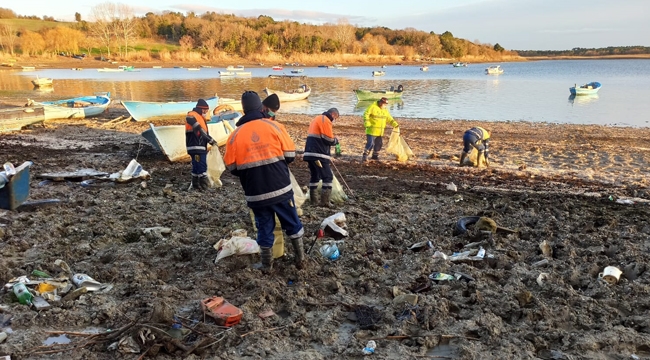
point(536, 91)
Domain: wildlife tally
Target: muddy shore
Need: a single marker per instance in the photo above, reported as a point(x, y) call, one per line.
point(553, 183)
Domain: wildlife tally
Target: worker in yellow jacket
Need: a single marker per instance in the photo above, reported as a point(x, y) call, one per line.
point(477, 138)
point(374, 120)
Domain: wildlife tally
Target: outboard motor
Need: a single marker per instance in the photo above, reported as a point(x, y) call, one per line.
point(400, 88)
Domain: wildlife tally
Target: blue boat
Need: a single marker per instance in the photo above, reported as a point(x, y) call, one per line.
point(77, 108)
point(143, 110)
point(586, 89)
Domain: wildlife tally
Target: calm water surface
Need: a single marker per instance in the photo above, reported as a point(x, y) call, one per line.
point(536, 91)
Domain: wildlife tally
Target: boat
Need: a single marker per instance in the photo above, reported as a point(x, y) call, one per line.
point(76, 108)
point(338, 67)
point(378, 73)
point(143, 110)
point(459, 64)
point(128, 68)
point(494, 70)
point(206, 66)
point(77, 69)
point(110, 70)
point(14, 119)
point(234, 103)
point(28, 68)
point(193, 69)
point(277, 67)
point(42, 82)
point(297, 71)
point(383, 66)
point(287, 76)
point(586, 89)
point(300, 93)
point(243, 73)
point(424, 68)
point(226, 73)
point(365, 95)
point(156, 67)
point(171, 139)
point(235, 68)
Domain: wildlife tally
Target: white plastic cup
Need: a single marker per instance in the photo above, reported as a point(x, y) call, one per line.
point(610, 274)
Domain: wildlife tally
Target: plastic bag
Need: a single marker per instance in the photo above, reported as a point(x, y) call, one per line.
point(398, 146)
point(299, 197)
point(133, 171)
point(471, 159)
point(216, 167)
point(236, 245)
point(338, 195)
point(335, 223)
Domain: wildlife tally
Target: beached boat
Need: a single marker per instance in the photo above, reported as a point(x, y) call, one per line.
point(365, 95)
point(277, 67)
point(378, 73)
point(235, 68)
point(76, 108)
point(226, 73)
point(28, 68)
point(234, 103)
point(424, 68)
point(171, 139)
point(300, 93)
point(494, 70)
point(586, 89)
point(297, 71)
point(143, 110)
point(338, 67)
point(459, 64)
point(14, 119)
point(41, 82)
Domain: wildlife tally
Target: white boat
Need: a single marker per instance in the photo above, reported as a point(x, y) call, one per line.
point(243, 73)
point(235, 68)
point(234, 103)
point(38, 82)
point(300, 93)
point(110, 70)
point(297, 71)
point(76, 108)
point(156, 67)
point(226, 73)
point(424, 68)
point(494, 70)
point(28, 68)
point(193, 69)
point(378, 73)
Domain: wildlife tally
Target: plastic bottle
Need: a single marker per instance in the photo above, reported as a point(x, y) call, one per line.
point(337, 150)
point(370, 348)
point(176, 332)
point(330, 251)
point(23, 294)
point(10, 170)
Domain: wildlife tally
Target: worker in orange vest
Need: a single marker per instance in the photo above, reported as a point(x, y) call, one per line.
point(258, 152)
point(320, 139)
point(197, 138)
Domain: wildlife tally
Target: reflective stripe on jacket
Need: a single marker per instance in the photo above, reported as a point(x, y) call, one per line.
point(375, 118)
point(320, 139)
point(480, 133)
point(258, 152)
point(196, 133)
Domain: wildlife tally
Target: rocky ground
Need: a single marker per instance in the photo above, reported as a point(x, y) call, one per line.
point(554, 183)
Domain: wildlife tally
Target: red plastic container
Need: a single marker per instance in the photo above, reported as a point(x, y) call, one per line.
point(223, 312)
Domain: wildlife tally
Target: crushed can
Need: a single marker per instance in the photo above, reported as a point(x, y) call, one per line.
point(223, 312)
point(438, 276)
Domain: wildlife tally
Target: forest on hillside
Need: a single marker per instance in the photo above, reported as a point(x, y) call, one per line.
point(608, 51)
point(114, 30)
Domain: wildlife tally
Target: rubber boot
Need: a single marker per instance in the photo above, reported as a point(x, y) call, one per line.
point(462, 158)
point(313, 197)
point(299, 252)
point(266, 263)
point(195, 183)
point(375, 156)
point(204, 182)
point(364, 158)
point(325, 197)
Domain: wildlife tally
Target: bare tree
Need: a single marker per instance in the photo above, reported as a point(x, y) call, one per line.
point(124, 25)
point(102, 16)
point(344, 33)
point(8, 38)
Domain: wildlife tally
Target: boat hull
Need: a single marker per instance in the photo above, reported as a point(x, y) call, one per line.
point(365, 95)
point(585, 90)
point(76, 108)
point(143, 110)
point(14, 119)
point(170, 140)
point(285, 96)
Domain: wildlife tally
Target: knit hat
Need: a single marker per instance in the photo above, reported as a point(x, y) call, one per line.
point(272, 102)
point(202, 104)
point(250, 101)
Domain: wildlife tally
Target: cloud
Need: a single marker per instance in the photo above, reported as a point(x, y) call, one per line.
point(277, 14)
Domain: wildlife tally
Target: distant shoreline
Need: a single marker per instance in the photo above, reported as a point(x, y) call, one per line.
point(603, 57)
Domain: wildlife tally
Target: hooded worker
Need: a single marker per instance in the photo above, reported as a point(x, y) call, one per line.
point(374, 120)
point(258, 152)
point(320, 139)
point(271, 106)
point(197, 138)
point(477, 138)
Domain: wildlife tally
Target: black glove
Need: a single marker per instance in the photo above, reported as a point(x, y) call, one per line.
point(212, 142)
point(336, 141)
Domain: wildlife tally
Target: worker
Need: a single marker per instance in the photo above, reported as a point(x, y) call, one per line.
point(197, 138)
point(258, 152)
point(374, 120)
point(320, 139)
point(477, 138)
point(271, 105)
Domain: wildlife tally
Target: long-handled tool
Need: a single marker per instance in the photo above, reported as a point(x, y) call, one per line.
point(319, 234)
point(342, 179)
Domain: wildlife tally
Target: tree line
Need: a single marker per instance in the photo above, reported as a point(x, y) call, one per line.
point(608, 51)
point(114, 30)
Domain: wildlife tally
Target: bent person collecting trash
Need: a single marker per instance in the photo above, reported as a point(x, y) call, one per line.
point(197, 139)
point(258, 152)
point(318, 147)
point(476, 138)
point(374, 120)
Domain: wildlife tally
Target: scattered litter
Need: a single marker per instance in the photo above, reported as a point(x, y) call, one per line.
point(266, 314)
point(540, 263)
point(78, 175)
point(224, 313)
point(370, 348)
point(452, 187)
point(437, 276)
point(83, 280)
point(39, 304)
point(542, 278)
point(404, 299)
point(421, 246)
point(334, 226)
point(41, 274)
point(546, 248)
point(156, 232)
point(330, 251)
point(133, 171)
point(367, 317)
point(625, 201)
point(439, 255)
point(236, 245)
point(610, 274)
point(3, 336)
point(23, 294)
point(61, 339)
point(127, 345)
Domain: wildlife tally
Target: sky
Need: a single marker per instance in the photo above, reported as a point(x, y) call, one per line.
point(514, 24)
